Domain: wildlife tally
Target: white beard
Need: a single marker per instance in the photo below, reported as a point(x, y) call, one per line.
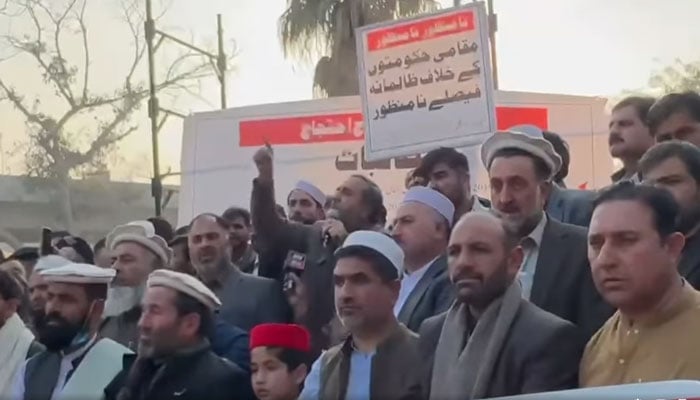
point(121, 299)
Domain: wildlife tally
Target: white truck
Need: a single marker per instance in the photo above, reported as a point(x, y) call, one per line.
point(321, 141)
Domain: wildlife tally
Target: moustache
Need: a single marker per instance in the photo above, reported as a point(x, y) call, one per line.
point(615, 138)
point(467, 275)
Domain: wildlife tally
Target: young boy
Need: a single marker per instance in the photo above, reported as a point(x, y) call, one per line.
point(279, 360)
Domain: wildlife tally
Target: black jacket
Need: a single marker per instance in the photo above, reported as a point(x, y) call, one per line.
point(432, 295)
point(194, 375)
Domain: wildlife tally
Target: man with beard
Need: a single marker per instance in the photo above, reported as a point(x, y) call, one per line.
point(554, 274)
point(629, 135)
point(137, 252)
point(675, 166)
point(77, 363)
point(422, 229)
point(447, 171)
point(305, 203)
point(247, 300)
point(38, 287)
point(357, 205)
point(379, 359)
point(242, 253)
point(492, 342)
point(175, 359)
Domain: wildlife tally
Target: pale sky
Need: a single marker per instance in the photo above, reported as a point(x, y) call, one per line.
point(586, 47)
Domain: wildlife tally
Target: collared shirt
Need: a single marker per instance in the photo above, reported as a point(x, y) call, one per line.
point(531, 245)
point(620, 175)
point(659, 347)
point(408, 283)
point(65, 371)
point(358, 381)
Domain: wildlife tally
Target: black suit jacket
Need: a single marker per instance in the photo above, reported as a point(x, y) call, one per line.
point(541, 353)
point(432, 295)
point(193, 376)
point(249, 300)
point(563, 284)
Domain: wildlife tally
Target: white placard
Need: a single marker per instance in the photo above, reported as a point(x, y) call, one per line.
point(426, 82)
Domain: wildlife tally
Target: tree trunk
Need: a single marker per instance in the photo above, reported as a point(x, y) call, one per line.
point(64, 202)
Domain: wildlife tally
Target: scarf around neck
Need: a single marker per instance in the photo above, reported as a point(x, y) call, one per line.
point(464, 371)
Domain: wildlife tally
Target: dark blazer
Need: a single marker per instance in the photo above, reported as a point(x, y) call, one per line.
point(249, 300)
point(689, 265)
point(563, 284)
point(541, 353)
point(432, 295)
point(195, 375)
point(571, 206)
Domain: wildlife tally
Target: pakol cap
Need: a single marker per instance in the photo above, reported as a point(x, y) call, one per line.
point(82, 274)
point(143, 233)
point(186, 284)
point(288, 336)
point(528, 138)
point(433, 199)
point(50, 261)
point(310, 189)
point(380, 243)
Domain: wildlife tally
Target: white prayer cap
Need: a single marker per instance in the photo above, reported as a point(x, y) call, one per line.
point(79, 274)
point(50, 261)
point(528, 138)
point(433, 199)
point(380, 243)
point(186, 284)
point(310, 189)
point(143, 233)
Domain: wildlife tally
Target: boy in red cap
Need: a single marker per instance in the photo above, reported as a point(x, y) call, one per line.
point(279, 356)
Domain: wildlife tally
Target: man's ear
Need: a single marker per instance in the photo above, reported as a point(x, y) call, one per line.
point(299, 374)
point(675, 243)
point(515, 260)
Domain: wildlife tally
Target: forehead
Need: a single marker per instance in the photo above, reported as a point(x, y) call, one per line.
point(511, 167)
point(263, 354)
point(348, 266)
point(205, 224)
point(67, 289)
point(477, 229)
point(299, 195)
point(159, 295)
point(619, 216)
point(668, 167)
point(676, 121)
point(625, 113)
point(355, 184)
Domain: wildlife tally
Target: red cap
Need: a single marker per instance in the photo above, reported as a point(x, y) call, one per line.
point(288, 336)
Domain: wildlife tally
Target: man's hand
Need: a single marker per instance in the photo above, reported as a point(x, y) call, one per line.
point(334, 229)
point(263, 161)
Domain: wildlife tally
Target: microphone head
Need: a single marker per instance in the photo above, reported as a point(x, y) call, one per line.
point(333, 213)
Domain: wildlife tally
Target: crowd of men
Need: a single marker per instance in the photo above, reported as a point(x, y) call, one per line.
point(539, 288)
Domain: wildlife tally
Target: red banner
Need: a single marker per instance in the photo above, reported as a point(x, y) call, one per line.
point(326, 128)
point(421, 30)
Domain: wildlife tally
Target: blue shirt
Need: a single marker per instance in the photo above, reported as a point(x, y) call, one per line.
point(358, 381)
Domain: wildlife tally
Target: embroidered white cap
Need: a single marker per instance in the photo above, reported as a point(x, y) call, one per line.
point(186, 284)
point(433, 199)
point(310, 189)
point(528, 138)
point(50, 261)
point(143, 233)
point(79, 274)
point(378, 242)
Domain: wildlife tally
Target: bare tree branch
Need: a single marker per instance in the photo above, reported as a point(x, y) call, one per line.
point(86, 48)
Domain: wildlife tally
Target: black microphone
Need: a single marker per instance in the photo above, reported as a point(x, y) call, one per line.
point(331, 214)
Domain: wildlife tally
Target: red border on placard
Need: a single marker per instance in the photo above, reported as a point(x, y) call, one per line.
point(288, 130)
point(419, 31)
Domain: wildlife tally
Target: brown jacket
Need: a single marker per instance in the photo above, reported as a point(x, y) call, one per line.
point(395, 369)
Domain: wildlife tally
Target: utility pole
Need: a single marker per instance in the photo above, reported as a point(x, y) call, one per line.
point(493, 27)
point(218, 62)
